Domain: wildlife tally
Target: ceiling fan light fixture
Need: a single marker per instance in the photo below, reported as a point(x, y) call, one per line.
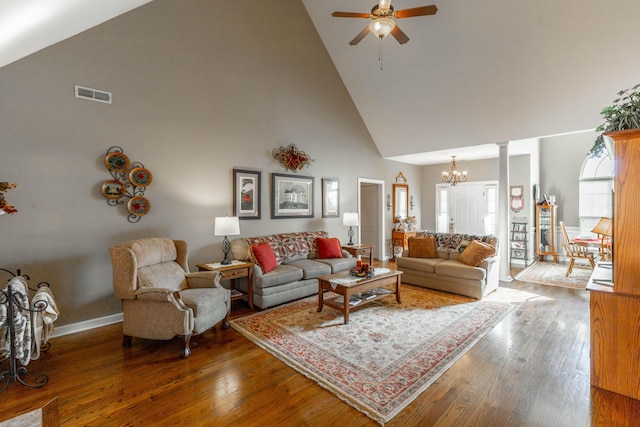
point(381, 27)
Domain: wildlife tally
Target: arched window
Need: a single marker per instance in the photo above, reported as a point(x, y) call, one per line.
point(596, 191)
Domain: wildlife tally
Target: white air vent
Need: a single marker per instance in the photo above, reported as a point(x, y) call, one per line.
point(93, 94)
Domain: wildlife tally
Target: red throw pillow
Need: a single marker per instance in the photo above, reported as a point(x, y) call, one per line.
point(264, 257)
point(328, 248)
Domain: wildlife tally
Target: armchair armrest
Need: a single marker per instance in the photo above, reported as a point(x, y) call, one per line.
point(161, 295)
point(204, 279)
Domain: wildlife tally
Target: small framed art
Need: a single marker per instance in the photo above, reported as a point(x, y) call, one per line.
point(291, 196)
point(246, 194)
point(330, 197)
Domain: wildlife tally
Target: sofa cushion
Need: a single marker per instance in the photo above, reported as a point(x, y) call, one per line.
point(153, 250)
point(329, 248)
point(167, 275)
point(339, 264)
point(203, 300)
point(459, 270)
point(422, 247)
point(264, 257)
point(311, 269)
point(426, 265)
point(280, 275)
point(476, 252)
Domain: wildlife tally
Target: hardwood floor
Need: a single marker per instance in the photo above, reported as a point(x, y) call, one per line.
point(531, 370)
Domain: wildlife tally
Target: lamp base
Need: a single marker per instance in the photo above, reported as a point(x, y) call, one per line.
point(226, 246)
point(350, 234)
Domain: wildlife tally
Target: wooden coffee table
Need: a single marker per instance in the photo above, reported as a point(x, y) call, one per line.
point(347, 286)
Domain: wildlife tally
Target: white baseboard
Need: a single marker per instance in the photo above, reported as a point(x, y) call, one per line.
point(87, 324)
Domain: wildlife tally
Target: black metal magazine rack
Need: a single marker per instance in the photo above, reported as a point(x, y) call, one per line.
point(12, 302)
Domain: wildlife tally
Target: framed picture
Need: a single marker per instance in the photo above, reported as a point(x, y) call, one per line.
point(516, 196)
point(291, 196)
point(246, 194)
point(330, 197)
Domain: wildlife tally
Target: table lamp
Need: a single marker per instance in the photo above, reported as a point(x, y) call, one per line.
point(226, 226)
point(350, 219)
point(604, 228)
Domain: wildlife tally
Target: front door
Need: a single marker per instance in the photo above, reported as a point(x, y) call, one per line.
point(466, 208)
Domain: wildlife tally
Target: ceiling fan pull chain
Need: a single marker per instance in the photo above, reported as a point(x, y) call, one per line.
point(380, 52)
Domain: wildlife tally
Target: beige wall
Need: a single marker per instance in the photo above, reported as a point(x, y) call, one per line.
point(196, 92)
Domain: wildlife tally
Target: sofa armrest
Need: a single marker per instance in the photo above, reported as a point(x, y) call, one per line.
point(155, 294)
point(204, 279)
point(492, 259)
point(162, 295)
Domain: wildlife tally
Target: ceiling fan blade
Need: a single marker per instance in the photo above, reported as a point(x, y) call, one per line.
point(415, 11)
point(349, 15)
point(360, 36)
point(399, 35)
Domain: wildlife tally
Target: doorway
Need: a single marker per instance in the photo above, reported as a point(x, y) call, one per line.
point(372, 218)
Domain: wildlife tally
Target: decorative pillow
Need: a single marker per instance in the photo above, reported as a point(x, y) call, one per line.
point(422, 247)
point(264, 257)
point(476, 252)
point(328, 248)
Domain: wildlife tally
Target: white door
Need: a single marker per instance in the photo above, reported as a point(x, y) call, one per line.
point(466, 208)
point(372, 215)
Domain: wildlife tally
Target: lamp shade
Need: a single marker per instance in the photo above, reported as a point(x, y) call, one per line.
point(227, 226)
point(350, 219)
point(382, 26)
point(604, 227)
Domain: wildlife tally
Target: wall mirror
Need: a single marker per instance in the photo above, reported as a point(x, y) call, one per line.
point(400, 201)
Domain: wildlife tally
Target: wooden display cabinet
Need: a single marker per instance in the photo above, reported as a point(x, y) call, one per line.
point(615, 308)
point(546, 231)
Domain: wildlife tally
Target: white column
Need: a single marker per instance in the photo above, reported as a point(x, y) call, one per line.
point(503, 212)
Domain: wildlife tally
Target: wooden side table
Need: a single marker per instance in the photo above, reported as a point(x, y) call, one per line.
point(233, 271)
point(362, 250)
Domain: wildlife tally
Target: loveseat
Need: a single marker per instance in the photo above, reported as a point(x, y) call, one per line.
point(442, 269)
point(297, 268)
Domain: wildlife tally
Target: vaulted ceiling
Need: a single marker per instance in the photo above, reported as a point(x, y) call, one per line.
point(472, 75)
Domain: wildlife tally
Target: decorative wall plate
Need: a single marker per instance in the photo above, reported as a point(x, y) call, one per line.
point(139, 206)
point(140, 177)
point(117, 162)
point(113, 189)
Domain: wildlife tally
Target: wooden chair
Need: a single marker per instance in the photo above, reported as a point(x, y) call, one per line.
point(575, 250)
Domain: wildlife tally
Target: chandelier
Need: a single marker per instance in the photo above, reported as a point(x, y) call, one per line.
point(454, 176)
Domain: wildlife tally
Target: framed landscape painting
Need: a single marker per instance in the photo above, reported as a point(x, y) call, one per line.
point(330, 197)
point(246, 194)
point(291, 196)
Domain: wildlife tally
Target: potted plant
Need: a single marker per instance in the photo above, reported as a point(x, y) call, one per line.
point(623, 114)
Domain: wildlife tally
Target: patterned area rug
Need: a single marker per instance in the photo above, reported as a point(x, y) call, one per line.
point(387, 355)
point(548, 273)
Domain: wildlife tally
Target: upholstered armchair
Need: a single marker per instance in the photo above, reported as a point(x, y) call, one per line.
point(160, 298)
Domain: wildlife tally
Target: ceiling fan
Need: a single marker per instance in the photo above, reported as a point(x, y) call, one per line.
point(382, 22)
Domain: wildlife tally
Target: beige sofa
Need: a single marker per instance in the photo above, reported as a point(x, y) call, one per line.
point(297, 271)
point(446, 273)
